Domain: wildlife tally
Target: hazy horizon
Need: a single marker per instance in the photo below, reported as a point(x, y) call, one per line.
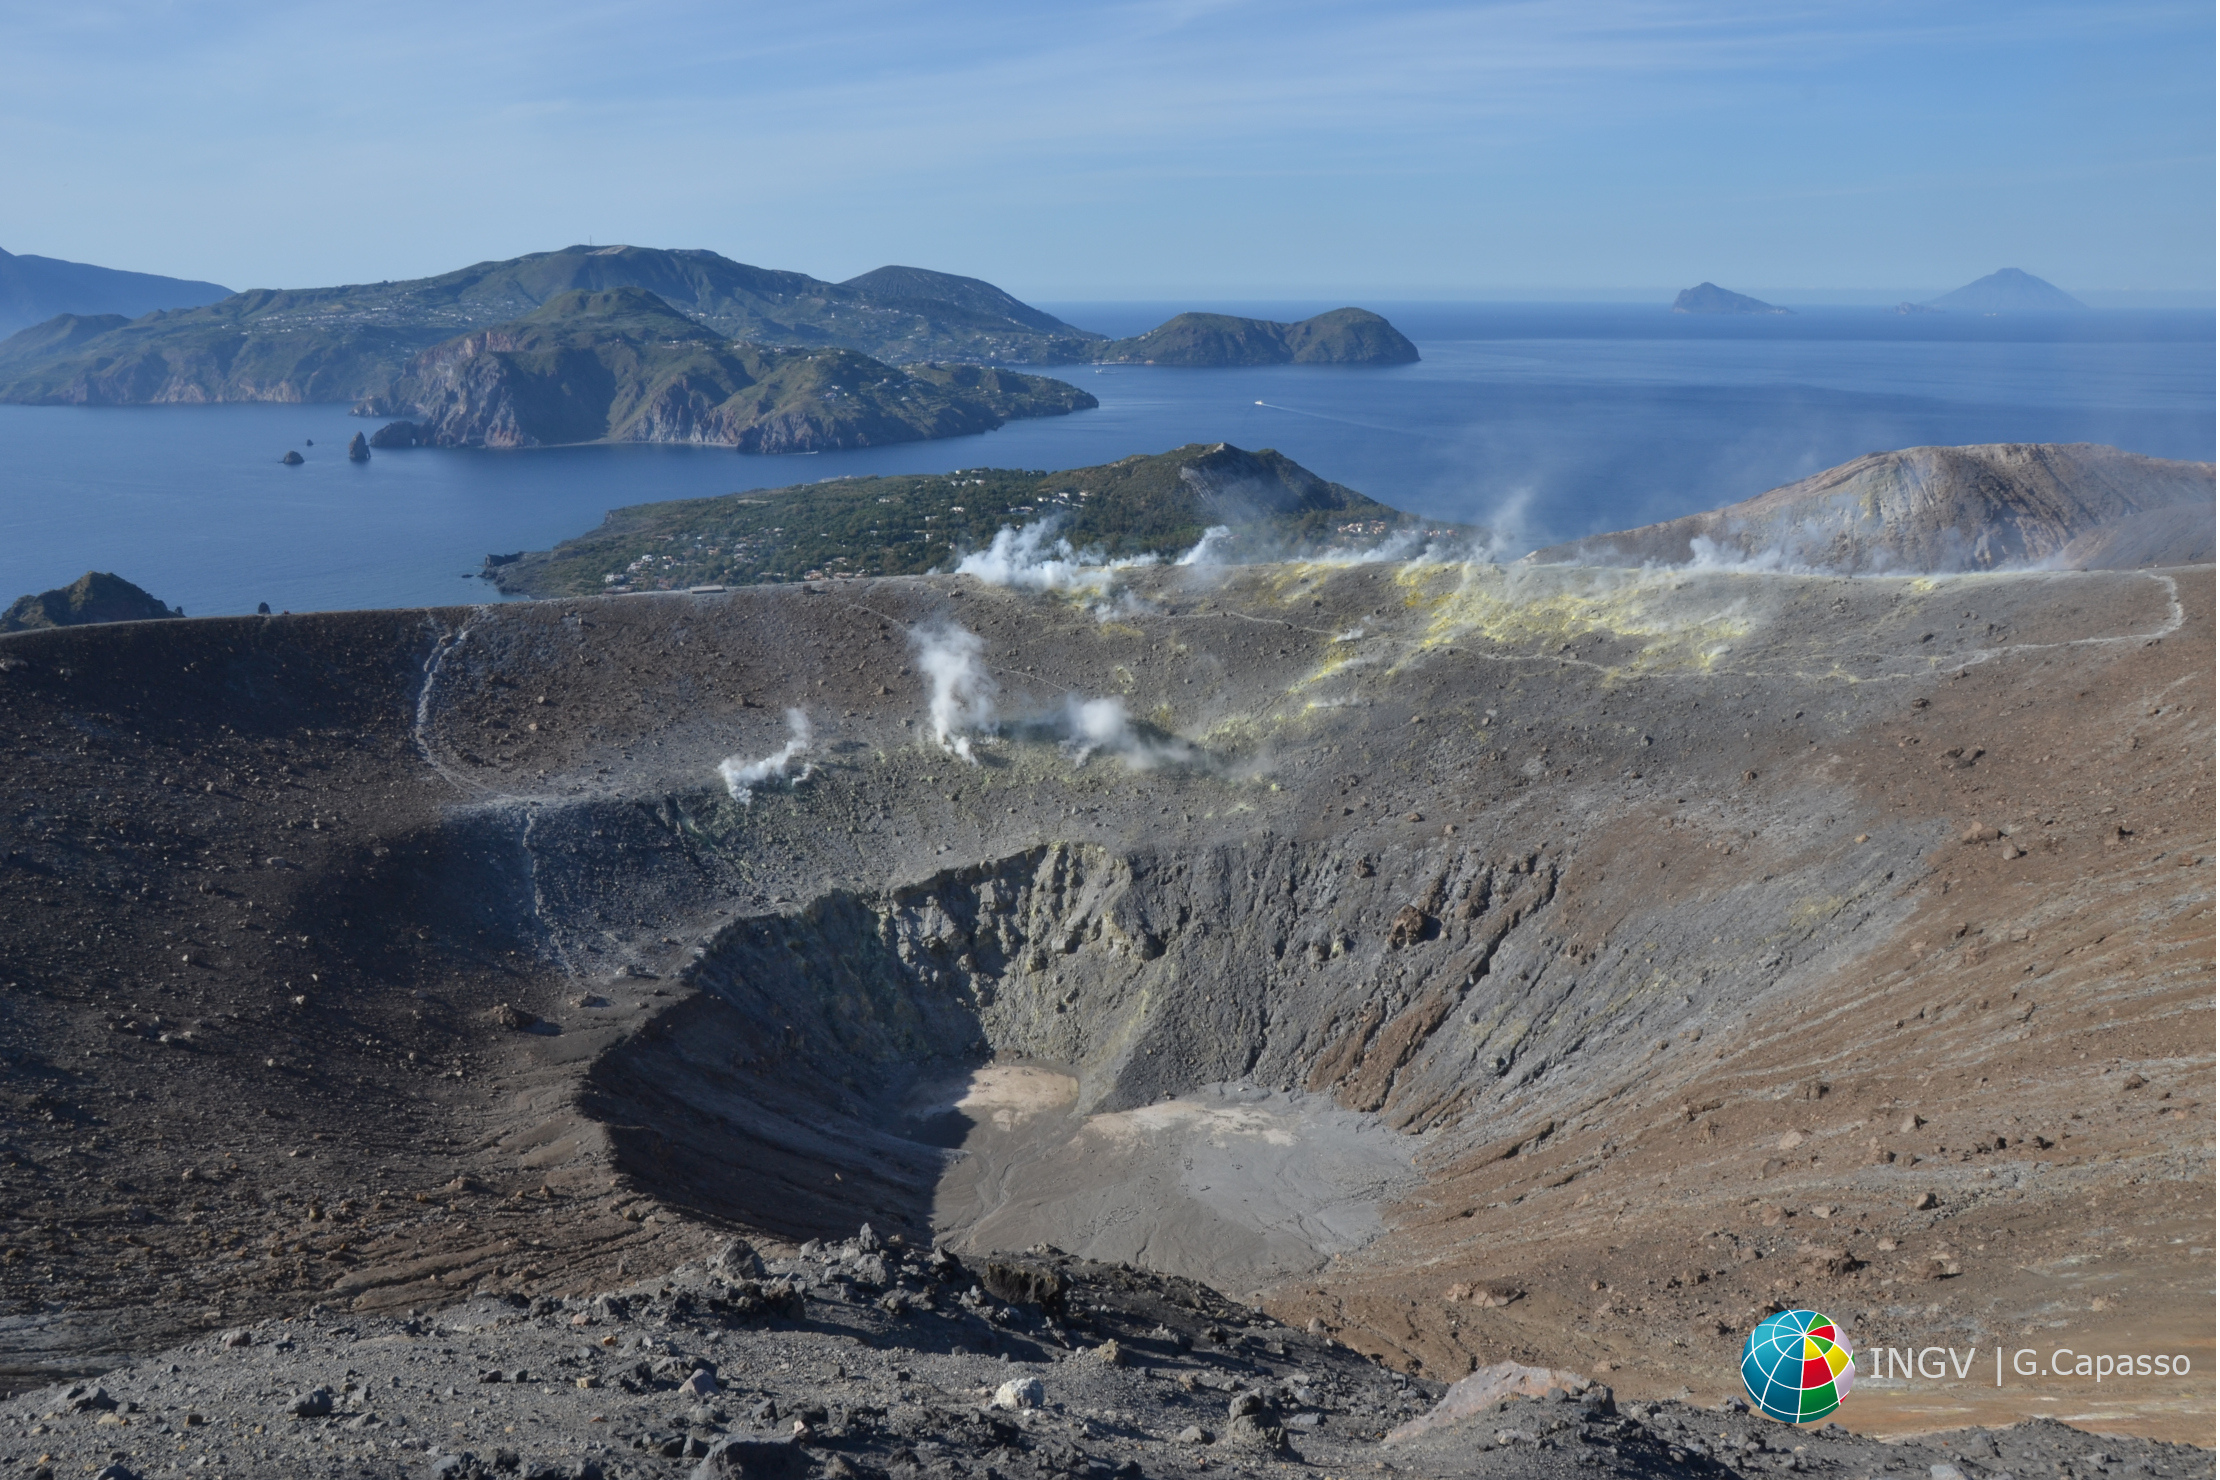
point(2183, 298)
point(1136, 149)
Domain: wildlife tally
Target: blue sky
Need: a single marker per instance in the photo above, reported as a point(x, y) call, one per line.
point(1146, 149)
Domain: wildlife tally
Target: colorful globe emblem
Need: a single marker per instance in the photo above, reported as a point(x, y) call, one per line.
point(1797, 1367)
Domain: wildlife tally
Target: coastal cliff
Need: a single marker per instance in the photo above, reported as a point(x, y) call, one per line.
point(624, 366)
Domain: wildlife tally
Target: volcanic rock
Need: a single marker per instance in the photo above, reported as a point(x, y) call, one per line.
point(1019, 1392)
point(1479, 1394)
point(1932, 509)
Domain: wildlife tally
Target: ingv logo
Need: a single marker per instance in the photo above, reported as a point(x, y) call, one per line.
point(1941, 1363)
point(1934, 1362)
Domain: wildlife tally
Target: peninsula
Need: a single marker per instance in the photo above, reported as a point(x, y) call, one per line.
point(1157, 506)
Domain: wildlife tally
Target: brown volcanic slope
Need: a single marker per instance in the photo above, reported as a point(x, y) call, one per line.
point(1633, 913)
point(2078, 506)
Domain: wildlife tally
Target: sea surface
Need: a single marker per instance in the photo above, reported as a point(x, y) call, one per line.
point(1539, 421)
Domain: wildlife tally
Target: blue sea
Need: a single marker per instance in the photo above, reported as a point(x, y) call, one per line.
point(1541, 421)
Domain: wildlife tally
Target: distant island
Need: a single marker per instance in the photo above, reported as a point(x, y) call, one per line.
point(624, 366)
point(95, 596)
point(1711, 298)
point(1344, 336)
point(2007, 290)
point(35, 289)
point(1156, 505)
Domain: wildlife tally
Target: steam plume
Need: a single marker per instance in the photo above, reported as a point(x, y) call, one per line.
point(960, 691)
point(1091, 725)
point(1036, 558)
point(743, 777)
point(1206, 551)
point(1028, 558)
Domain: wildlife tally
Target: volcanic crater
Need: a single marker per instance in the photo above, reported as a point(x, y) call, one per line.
point(1459, 962)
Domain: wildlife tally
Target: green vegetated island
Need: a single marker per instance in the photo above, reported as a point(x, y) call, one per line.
point(1344, 336)
point(1158, 505)
point(622, 317)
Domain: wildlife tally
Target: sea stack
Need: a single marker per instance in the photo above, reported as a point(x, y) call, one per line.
point(292, 458)
point(359, 449)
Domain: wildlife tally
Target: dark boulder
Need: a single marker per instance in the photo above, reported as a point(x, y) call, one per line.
point(1024, 1284)
point(752, 1459)
point(292, 458)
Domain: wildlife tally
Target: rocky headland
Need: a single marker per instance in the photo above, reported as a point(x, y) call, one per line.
point(624, 366)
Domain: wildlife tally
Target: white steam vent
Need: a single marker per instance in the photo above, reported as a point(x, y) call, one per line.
point(742, 777)
point(959, 691)
point(1089, 726)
